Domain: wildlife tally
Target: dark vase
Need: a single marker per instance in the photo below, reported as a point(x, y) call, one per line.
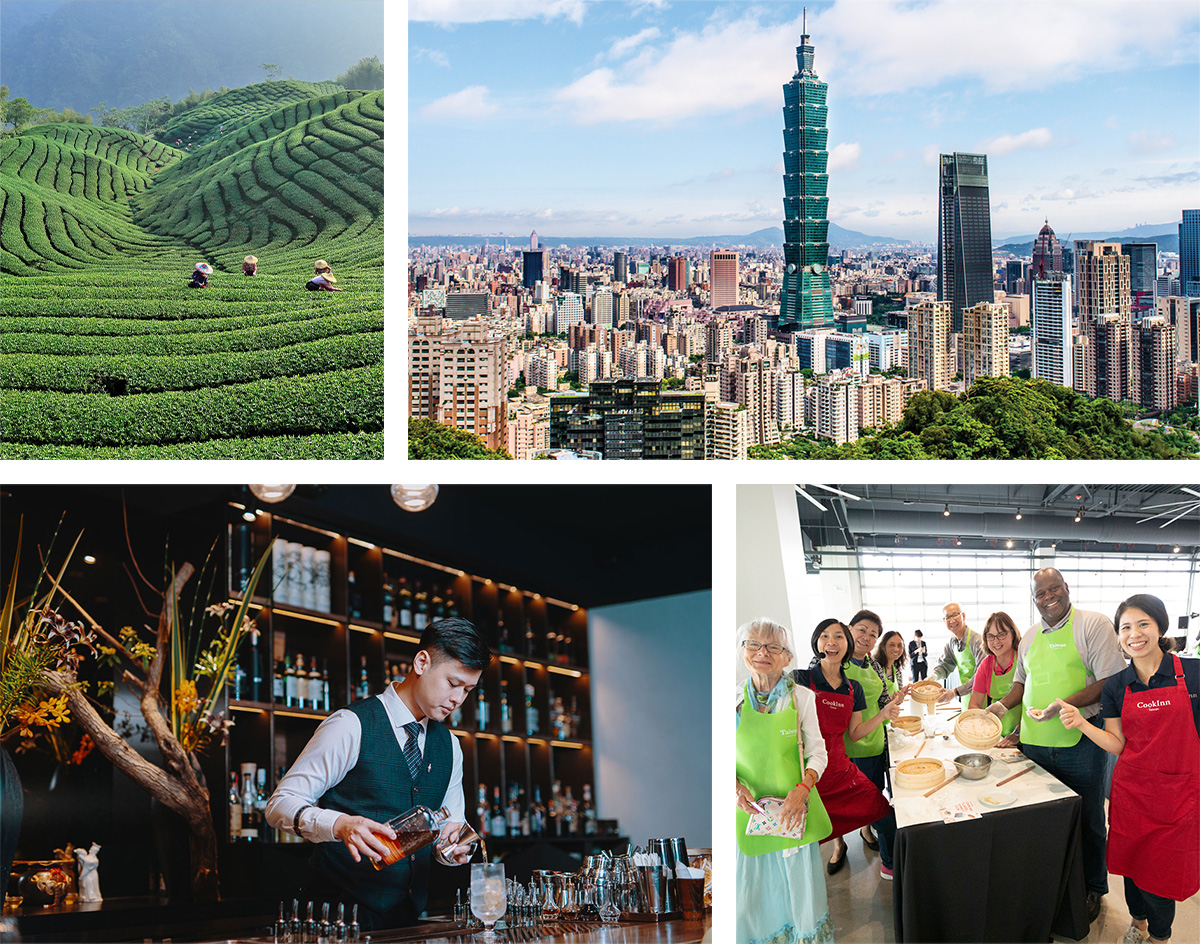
point(12, 806)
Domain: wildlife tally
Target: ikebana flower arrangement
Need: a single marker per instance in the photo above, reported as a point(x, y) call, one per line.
point(194, 645)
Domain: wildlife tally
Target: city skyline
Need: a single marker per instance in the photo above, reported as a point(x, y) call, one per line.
point(663, 119)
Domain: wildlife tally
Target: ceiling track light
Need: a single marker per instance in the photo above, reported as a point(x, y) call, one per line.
point(946, 511)
point(1079, 514)
point(1019, 515)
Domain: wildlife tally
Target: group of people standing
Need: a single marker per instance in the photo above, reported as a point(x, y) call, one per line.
point(1063, 691)
point(322, 281)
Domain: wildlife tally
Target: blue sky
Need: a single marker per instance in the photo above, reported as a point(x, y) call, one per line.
point(641, 118)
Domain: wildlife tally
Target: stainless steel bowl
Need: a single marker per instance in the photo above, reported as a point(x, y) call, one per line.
point(973, 766)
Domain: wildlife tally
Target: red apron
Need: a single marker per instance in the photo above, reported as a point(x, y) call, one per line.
point(850, 798)
point(1154, 805)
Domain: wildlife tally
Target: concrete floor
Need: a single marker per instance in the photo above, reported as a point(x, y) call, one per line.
point(860, 904)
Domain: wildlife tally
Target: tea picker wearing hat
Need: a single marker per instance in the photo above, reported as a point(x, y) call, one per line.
point(200, 275)
point(322, 280)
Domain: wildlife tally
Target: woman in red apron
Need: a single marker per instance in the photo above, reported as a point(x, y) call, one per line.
point(1152, 724)
point(850, 798)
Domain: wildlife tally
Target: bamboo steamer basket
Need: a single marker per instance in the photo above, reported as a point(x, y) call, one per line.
point(927, 692)
point(919, 773)
point(974, 742)
point(911, 724)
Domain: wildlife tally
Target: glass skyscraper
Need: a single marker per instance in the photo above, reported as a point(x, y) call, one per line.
point(1189, 253)
point(964, 234)
point(805, 300)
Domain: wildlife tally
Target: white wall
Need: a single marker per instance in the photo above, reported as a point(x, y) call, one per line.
point(651, 675)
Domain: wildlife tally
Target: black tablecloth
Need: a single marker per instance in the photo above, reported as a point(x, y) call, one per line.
point(1012, 875)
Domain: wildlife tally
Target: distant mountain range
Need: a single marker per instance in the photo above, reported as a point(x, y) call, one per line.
point(1166, 235)
point(839, 238)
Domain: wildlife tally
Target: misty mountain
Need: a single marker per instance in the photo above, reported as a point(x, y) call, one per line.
point(78, 53)
point(1167, 242)
point(771, 237)
point(1142, 233)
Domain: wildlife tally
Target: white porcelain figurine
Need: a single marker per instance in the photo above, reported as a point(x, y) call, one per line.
point(89, 873)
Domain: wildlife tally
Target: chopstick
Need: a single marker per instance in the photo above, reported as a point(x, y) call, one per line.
point(943, 783)
point(1016, 775)
point(919, 749)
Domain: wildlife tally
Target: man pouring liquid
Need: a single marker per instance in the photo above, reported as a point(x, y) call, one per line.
point(375, 759)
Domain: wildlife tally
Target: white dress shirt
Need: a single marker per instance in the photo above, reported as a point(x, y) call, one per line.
point(331, 754)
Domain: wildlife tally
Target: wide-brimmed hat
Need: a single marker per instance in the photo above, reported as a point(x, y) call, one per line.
point(330, 279)
point(252, 260)
point(204, 267)
point(321, 266)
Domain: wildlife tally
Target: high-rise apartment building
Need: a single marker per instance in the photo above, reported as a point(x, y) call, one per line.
point(677, 274)
point(1102, 276)
point(457, 377)
point(1143, 277)
point(747, 378)
point(964, 265)
point(805, 300)
point(602, 307)
point(1050, 332)
point(1189, 253)
point(985, 341)
point(568, 310)
point(837, 409)
point(1154, 364)
point(729, 436)
point(1184, 314)
point(630, 419)
point(529, 430)
point(929, 357)
point(718, 340)
point(723, 278)
point(461, 306)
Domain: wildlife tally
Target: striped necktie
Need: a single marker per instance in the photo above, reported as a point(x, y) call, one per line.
point(412, 750)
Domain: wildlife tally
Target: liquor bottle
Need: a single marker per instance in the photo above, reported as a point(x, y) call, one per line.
point(505, 716)
point(415, 829)
point(389, 610)
point(538, 813)
point(554, 813)
point(437, 606)
point(525, 815)
point(255, 671)
point(265, 830)
point(420, 609)
point(499, 825)
point(325, 685)
point(406, 604)
point(238, 685)
point(560, 719)
point(249, 819)
point(481, 710)
point(530, 639)
point(569, 818)
point(451, 606)
point(364, 681)
point(589, 811)
point(314, 684)
point(505, 644)
point(481, 811)
point(513, 813)
point(354, 596)
point(456, 717)
point(235, 808)
point(290, 689)
point(277, 689)
point(532, 723)
point(576, 721)
point(241, 566)
point(301, 682)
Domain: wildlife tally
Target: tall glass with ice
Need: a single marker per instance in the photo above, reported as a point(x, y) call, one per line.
point(488, 894)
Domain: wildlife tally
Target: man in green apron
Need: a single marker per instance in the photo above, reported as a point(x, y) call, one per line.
point(1067, 654)
point(961, 655)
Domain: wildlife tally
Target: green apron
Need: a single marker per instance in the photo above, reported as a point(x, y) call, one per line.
point(966, 663)
point(1053, 669)
point(768, 763)
point(872, 686)
point(999, 688)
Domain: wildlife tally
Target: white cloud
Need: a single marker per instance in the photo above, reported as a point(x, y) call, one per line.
point(445, 12)
point(471, 103)
point(622, 47)
point(436, 56)
point(1007, 143)
point(1148, 142)
point(845, 156)
point(1111, 123)
point(930, 155)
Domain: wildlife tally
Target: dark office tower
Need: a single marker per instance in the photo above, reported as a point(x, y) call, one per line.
point(964, 235)
point(620, 266)
point(1143, 276)
point(1014, 271)
point(535, 266)
point(677, 274)
point(1047, 254)
point(1189, 253)
point(629, 419)
point(805, 300)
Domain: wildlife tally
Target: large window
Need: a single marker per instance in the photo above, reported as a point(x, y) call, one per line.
point(908, 588)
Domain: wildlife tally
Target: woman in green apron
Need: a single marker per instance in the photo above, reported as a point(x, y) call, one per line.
point(780, 752)
point(994, 676)
point(891, 658)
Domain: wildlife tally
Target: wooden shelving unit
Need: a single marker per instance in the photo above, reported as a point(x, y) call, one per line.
point(541, 643)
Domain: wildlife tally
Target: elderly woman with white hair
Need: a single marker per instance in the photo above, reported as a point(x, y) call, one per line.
point(780, 753)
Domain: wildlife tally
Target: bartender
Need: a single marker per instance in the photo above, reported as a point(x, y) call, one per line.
point(376, 759)
point(1066, 655)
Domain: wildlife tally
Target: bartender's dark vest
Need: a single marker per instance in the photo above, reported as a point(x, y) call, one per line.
point(380, 787)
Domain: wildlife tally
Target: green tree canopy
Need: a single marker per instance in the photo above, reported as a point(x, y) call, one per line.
point(365, 74)
point(429, 439)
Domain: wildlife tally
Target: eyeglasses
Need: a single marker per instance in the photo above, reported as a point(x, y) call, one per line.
point(949, 616)
point(998, 634)
point(772, 649)
point(1048, 591)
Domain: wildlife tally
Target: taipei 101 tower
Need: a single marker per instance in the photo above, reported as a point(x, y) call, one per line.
point(805, 300)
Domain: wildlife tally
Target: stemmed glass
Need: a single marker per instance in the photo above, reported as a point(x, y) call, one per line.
point(488, 895)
